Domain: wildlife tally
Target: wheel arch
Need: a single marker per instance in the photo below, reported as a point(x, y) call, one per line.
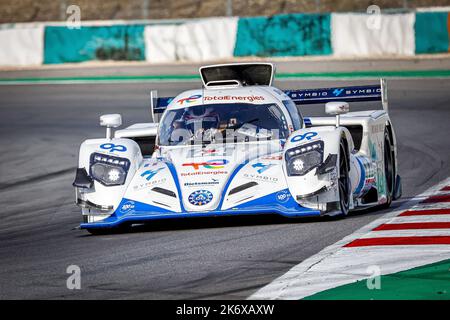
point(393, 139)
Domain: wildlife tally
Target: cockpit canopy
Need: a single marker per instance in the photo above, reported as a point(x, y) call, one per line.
point(222, 123)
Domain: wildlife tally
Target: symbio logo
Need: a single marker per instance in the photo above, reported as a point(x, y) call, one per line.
point(149, 174)
point(261, 167)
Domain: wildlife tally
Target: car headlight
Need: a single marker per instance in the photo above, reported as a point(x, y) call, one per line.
point(109, 170)
point(302, 159)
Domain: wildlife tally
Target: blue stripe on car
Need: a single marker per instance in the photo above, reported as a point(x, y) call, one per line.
point(264, 205)
point(230, 179)
point(362, 178)
point(173, 171)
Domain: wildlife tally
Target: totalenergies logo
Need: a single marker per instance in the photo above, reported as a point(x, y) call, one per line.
point(190, 99)
point(210, 164)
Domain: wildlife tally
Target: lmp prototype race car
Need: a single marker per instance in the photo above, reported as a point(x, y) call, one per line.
point(240, 146)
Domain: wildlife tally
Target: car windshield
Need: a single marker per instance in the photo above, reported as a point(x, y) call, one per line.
point(216, 123)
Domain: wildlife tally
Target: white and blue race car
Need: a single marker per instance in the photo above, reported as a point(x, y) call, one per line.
point(240, 146)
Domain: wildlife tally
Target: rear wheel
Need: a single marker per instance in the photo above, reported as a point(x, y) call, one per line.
point(344, 179)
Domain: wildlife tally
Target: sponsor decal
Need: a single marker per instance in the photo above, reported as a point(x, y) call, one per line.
point(210, 164)
point(235, 98)
point(308, 136)
point(127, 207)
point(149, 174)
point(261, 167)
point(259, 177)
point(295, 95)
point(200, 197)
point(200, 173)
point(210, 151)
point(212, 182)
point(283, 196)
point(313, 93)
point(190, 99)
point(206, 152)
point(149, 184)
point(274, 157)
point(113, 147)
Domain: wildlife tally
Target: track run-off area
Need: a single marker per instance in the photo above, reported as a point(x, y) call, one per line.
point(41, 128)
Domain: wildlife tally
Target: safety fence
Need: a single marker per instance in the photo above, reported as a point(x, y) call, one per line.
point(335, 34)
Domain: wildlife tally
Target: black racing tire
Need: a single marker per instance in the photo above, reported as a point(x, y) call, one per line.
point(344, 179)
point(389, 170)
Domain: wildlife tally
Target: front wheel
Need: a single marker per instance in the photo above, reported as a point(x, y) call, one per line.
point(344, 179)
point(388, 170)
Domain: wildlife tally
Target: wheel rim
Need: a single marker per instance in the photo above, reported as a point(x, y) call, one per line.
point(343, 182)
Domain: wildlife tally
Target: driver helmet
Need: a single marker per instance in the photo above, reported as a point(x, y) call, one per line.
point(200, 117)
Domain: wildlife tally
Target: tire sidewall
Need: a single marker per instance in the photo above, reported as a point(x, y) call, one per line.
point(344, 204)
point(388, 156)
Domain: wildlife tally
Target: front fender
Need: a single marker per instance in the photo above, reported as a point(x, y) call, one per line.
point(313, 186)
point(99, 194)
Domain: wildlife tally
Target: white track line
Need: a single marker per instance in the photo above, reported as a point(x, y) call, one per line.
point(336, 265)
point(407, 233)
point(427, 218)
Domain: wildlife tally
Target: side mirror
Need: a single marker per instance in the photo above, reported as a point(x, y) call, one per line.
point(110, 121)
point(336, 108)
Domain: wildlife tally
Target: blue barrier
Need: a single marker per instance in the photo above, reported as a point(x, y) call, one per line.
point(284, 35)
point(279, 35)
point(117, 42)
point(431, 32)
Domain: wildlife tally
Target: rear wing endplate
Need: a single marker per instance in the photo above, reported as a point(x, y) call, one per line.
point(347, 94)
point(158, 105)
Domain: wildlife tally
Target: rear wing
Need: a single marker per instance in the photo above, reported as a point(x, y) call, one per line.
point(158, 105)
point(347, 94)
point(302, 96)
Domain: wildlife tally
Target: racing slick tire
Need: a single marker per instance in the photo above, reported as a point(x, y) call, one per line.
point(344, 179)
point(388, 170)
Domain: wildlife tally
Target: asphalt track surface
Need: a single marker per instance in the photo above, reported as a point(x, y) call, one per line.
point(41, 128)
